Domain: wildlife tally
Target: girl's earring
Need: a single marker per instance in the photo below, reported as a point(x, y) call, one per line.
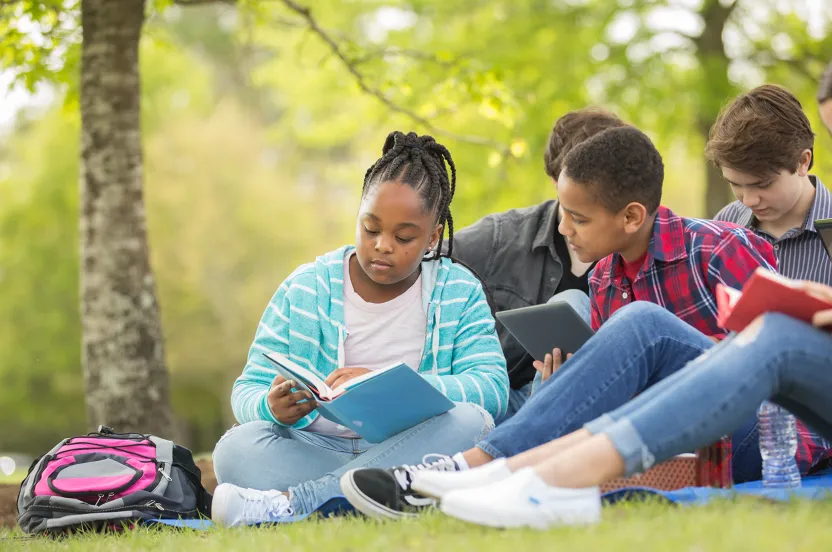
point(431, 253)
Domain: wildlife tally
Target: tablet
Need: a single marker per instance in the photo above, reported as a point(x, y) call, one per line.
point(541, 328)
point(824, 228)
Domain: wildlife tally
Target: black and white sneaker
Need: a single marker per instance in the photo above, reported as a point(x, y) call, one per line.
point(387, 493)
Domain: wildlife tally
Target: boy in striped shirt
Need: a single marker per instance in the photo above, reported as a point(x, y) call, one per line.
point(764, 145)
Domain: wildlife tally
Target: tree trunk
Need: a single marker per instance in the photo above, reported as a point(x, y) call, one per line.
point(122, 344)
point(717, 89)
point(718, 192)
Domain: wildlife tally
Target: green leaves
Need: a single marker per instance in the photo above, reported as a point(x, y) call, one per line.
point(40, 41)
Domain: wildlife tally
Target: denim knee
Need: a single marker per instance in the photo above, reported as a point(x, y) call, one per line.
point(240, 446)
point(472, 419)
point(774, 326)
point(569, 295)
point(643, 311)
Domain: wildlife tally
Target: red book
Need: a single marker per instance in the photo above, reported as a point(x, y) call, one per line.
point(765, 291)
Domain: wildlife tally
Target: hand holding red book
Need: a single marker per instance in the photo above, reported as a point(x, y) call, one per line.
point(767, 291)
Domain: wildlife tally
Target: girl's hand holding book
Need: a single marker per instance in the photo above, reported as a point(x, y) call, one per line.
point(286, 405)
point(343, 375)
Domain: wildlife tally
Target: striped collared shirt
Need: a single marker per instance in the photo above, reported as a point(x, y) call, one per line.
point(800, 255)
point(800, 251)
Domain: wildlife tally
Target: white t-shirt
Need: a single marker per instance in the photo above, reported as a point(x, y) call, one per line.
point(380, 334)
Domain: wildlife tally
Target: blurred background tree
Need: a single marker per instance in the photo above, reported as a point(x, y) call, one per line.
point(259, 118)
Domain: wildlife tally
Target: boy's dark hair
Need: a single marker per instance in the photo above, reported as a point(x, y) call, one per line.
point(419, 162)
point(572, 129)
point(825, 86)
point(761, 133)
point(620, 166)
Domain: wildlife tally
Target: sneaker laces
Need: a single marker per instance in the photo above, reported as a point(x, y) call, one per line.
point(262, 507)
point(433, 462)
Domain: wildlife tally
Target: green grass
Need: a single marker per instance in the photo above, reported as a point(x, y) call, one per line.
point(645, 527)
point(14, 478)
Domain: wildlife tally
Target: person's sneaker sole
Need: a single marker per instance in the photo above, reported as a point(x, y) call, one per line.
point(365, 504)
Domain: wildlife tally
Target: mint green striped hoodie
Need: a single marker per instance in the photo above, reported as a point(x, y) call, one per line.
point(305, 321)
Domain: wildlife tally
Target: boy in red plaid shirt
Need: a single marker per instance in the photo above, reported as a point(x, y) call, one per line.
point(652, 293)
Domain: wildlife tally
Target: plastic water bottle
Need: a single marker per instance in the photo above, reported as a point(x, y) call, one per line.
point(778, 444)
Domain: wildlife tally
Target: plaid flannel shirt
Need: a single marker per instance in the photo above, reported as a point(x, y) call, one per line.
point(685, 261)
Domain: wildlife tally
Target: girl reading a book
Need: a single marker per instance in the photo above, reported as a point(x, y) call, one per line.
point(390, 298)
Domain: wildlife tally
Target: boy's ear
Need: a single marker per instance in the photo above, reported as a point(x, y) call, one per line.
point(805, 162)
point(635, 214)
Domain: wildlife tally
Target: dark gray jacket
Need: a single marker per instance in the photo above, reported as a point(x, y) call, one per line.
point(514, 254)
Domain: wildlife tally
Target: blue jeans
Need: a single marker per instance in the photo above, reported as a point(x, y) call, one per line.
point(781, 359)
point(518, 397)
point(263, 455)
point(638, 346)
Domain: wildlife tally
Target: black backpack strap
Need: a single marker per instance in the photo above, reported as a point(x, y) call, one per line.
point(184, 459)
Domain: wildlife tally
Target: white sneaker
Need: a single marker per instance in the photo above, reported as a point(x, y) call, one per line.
point(234, 506)
point(524, 500)
point(436, 484)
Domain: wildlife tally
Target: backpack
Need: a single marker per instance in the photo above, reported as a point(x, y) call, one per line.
point(110, 481)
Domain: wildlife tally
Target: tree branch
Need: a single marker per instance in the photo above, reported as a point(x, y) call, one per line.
point(351, 66)
point(374, 53)
point(403, 52)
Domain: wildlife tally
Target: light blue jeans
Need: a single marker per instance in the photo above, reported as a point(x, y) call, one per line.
point(518, 397)
point(640, 345)
point(781, 359)
point(262, 455)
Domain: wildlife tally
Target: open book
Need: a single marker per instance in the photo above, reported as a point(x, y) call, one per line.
point(376, 405)
point(765, 291)
point(319, 389)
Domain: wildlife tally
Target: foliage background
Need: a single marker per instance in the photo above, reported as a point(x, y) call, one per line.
point(257, 137)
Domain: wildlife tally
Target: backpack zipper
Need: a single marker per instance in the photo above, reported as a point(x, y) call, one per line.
point(151, 503)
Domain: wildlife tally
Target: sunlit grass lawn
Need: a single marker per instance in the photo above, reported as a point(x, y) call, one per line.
point(646, 527)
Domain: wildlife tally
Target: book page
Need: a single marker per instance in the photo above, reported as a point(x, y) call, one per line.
point(364, 377)
point(303, 374)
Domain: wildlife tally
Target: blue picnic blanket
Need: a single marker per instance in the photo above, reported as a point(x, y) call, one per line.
point(815, 487)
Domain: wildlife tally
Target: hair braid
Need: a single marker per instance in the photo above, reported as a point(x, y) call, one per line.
point(419, 162)
point(444, 156)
